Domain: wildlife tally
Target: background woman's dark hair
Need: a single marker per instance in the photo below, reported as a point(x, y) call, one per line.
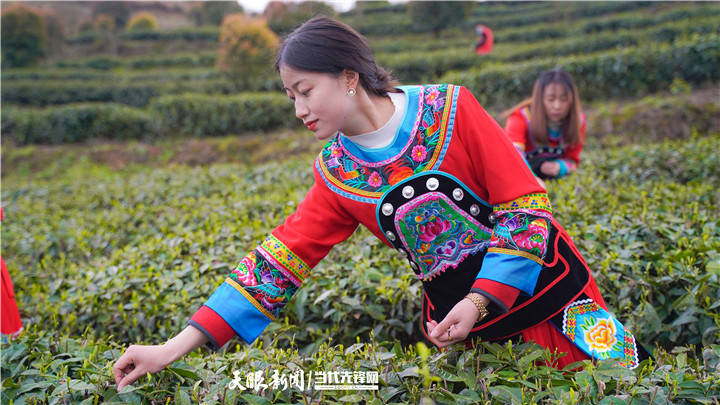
point(325, 45)
point(571, 126)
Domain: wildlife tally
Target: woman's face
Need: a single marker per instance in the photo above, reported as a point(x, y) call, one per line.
point(557, 102)
point(321, 100)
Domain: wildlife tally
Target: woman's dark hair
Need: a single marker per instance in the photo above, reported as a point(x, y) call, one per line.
point(325, 45)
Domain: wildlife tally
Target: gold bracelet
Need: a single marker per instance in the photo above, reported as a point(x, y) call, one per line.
point(475, 298)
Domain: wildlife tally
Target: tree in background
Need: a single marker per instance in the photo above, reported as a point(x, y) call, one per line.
point(435, 16)
point(247, 50)
point(213, 12)
point(117, 9)
point(105, 23)
point(283, 18)
point(54, 31)
point(24, 39)
point(86, 25)
point(142, 21)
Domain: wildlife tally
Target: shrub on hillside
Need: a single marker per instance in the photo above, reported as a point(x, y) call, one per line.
point(283, 18)
point(62, 92)
point(629, 72)
point(54, 30)
point(247, 49)
point(117, 10)
point(435, 16)
point(24, 39)
point(213, 12)
point(199, 114)
point(143, 21)
point(78, 123)
point(105, 23)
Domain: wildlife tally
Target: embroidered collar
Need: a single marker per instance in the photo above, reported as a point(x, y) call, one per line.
point(420, 144)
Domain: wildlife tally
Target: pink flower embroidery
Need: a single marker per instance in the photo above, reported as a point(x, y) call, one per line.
point(431, 230)
point(245, 271)
point(433, 98)
point(375, 180)
point(335, 150)
point(419, 153)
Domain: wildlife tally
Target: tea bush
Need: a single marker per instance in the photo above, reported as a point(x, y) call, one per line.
point(693, 61)
point(72, 123)
point(196, 114)
point(107, 62)
point(209, 34)
point(133, 253)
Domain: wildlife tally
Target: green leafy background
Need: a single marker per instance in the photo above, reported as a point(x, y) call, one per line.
point(114, 242)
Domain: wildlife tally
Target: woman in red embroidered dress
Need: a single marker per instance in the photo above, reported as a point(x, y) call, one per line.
point(11, 323)
point(548, 129)
point(432, 175)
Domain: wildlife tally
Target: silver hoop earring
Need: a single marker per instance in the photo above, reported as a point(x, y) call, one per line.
point(351, 92)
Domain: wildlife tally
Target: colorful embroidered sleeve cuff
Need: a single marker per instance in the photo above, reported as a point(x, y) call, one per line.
point(501, 296)
point(207, 320)
point(518, 242)
point(511, 270)
point(563, 169)
point(255, 292)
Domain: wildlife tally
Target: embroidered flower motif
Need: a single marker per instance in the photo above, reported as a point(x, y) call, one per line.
point(335, 150)
point(245, 271)
point(375, 180)
point(399, 173)
point(433, 98)
point(535, 238)
point(429, 231)
point(601, 337)
point(419, 153)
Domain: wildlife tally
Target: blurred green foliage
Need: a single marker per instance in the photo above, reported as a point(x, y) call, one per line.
point(212, 12)
point(143, 21)
point(24, 40)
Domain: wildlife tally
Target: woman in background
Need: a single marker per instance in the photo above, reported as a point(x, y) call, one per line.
point(548, 129)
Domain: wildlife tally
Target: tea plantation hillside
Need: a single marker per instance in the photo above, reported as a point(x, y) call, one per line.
point(134, 180)
point(102, 258)
point(159, 84)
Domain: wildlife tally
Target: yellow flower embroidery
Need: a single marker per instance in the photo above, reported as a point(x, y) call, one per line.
point(601, 337)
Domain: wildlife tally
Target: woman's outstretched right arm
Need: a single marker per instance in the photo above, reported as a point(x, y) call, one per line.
point(139, 360)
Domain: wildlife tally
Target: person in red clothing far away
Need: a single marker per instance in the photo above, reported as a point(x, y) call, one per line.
point(428, 172)
point(548, 129)
point(10, 323)
point(485, 40)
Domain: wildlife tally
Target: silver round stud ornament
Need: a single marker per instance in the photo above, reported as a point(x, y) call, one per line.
point(458, 194)
point(492, 218)
point(474, 210)
point(387, 209)
point(408, 192)
point(432, 183)
point(390, 236)
point(402, 252)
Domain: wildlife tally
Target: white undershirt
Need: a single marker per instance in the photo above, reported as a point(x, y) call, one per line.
point(383, 136)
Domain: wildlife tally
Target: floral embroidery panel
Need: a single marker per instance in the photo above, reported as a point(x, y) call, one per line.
point(598, 333)
point(438, 234)
point(270, 275)
point(522, 228)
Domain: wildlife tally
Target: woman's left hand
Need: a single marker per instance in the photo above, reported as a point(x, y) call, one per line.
point(456, 325)
point(550, 168)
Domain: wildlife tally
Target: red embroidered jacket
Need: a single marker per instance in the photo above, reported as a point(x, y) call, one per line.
point(444, 129)
point(517, 128)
